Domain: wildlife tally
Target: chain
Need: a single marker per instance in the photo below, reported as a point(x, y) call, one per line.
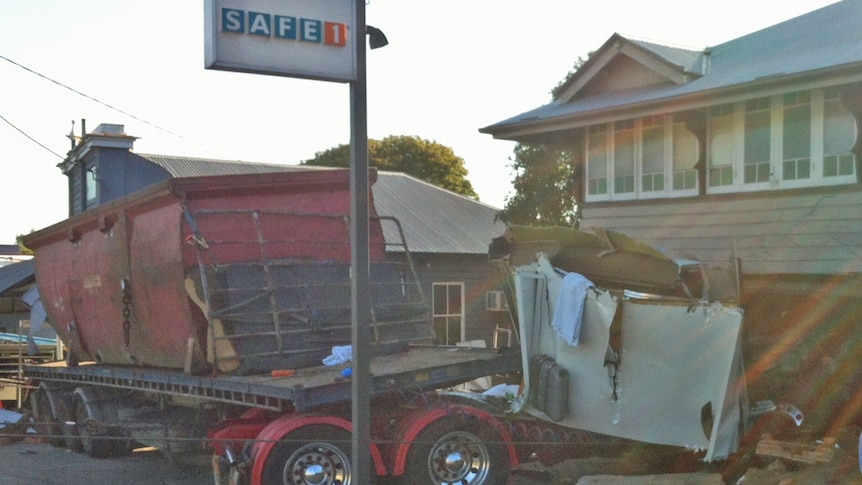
point(127, 311)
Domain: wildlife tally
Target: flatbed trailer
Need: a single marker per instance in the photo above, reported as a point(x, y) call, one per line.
point(419, 369)
point(259, 428)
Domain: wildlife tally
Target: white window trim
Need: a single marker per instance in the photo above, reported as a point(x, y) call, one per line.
point(639, 193)
point(776, 160)
point(460, 316)
point(669, 139)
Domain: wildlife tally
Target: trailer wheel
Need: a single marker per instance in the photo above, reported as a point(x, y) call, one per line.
point(42, 403)
point(311, 455)
point(458, 450)
point(92, 409)
point(66, 418)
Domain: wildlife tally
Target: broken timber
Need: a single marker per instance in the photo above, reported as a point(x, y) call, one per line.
point(822, 452)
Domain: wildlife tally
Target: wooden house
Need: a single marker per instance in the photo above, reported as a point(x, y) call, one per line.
point(748, 149)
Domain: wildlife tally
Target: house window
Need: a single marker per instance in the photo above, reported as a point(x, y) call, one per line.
point(624, 157)
point(597, 160)
point(758, 139)
point(91, 182)
point(722, 146)
point(792, 140)
point(653, 154)
point(644, 158)
point(839, 136)
point(796, 136)
point(448, 317)
point(686, 150)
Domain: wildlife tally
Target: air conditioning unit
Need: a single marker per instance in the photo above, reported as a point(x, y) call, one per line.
point(495, 301)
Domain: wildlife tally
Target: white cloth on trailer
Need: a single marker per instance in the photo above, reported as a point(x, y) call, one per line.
point(340, 354)
point(569, 312)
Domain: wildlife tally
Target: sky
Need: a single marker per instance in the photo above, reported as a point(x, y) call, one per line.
point(451, 67)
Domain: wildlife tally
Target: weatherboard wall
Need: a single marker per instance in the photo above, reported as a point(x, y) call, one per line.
point(796, 232)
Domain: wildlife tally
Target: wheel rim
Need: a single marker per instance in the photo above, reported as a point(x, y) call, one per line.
point(81, 418)
point(459, 457)
point(317, 464)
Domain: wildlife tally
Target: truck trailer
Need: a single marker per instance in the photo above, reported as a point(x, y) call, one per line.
point(197, 314)
point(209, 316)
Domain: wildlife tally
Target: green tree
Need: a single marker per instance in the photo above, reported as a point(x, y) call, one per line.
point(544, 188)
point(559, 87)
point(426, 160)
point(546, 179)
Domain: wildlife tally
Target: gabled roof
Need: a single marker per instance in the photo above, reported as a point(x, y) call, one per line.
point(824, 45)
point(659, 64)
point(434, 220)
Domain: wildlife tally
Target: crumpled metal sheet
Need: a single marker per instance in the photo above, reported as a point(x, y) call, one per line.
point(680, 376)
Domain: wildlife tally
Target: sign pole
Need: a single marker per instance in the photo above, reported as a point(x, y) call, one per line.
point(360, 271)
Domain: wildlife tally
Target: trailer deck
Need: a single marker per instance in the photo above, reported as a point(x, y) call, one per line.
point(418, 369)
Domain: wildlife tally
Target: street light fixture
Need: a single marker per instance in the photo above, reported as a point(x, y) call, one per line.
point(376, 37)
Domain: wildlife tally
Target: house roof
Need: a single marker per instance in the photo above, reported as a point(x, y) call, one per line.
point(195, 167)
point(825, 44)
point(434, 220)
point(15, 275)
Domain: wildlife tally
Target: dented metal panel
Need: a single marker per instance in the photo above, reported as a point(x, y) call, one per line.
point(667, 371)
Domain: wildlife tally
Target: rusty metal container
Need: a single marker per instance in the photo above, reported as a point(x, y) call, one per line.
point(231, 274)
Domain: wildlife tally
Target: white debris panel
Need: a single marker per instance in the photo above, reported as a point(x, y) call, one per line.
point(657, 370)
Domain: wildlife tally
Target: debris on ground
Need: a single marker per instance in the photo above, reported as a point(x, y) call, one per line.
point(822, 451)
point(663, 479)
point(13, 426)
point(798, 460)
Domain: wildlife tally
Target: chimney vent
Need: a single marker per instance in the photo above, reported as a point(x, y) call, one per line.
point(109, 129)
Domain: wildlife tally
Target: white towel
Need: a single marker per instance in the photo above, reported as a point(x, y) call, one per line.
point(570, 308)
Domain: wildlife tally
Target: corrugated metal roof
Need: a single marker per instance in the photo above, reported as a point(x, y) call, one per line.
point(197, 167)
point(822, 41)
point(16, 274)
point(688, 60)
point(434, 220)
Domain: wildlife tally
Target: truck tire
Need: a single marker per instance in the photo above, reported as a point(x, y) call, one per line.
point(66, 418)
point(43, 403)
point(312, 455)
point(93, 411)
point(458, 450)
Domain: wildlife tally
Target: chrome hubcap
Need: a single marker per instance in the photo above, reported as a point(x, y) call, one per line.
point(317, 464)
point(459, 457)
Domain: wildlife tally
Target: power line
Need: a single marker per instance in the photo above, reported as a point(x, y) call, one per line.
point(118, 110)
point(19, 130)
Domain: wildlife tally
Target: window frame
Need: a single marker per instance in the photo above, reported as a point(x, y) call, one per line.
point(816, 160)
point(448, 314)
point(90, 187)
point(607, 155)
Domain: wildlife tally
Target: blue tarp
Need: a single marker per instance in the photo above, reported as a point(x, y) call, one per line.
point(15, 338)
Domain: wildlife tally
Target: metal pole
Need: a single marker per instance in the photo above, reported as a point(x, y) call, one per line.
point(360, 336)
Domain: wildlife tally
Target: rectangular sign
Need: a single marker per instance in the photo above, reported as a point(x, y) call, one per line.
point(310, 39)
